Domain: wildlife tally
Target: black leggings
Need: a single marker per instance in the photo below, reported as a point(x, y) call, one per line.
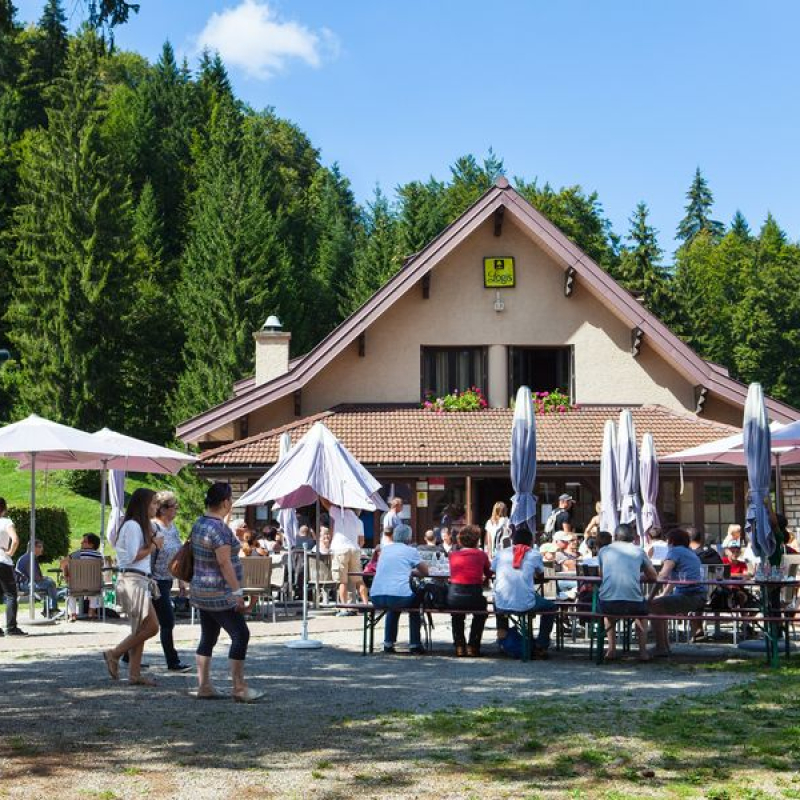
point(467, 597)
point(211, 622)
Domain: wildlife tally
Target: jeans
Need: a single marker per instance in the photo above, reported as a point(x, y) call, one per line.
point(44, 586)
point(166, 621)
point(546, 621)
point(211, 622)
point(467, 597)
point(8, 586)
point(393, 618)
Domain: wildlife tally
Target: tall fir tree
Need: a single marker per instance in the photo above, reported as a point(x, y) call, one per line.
point(72, 254)
point(232, 267)
point(698, 219)
point(422, 215)
point(377, 256)
point(739, 226)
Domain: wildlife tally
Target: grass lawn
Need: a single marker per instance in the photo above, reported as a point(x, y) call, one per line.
point(738, 744)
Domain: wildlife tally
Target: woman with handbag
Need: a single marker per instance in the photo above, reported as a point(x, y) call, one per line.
point(469, 570)
point(164, 524)
point(217, 593)
point(135, 545)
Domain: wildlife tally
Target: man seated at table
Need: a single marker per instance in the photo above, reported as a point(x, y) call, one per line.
point(516, 569)
point(622, 564)
point(391, 588)
point(697, 542)
point(90, 549)
point(41, 584)
point(429, 543)
point(680, 564)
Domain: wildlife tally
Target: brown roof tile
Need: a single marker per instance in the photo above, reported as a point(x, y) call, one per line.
point(403, 435)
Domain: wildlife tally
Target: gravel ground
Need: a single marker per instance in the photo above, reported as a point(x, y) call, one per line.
point(68, 730)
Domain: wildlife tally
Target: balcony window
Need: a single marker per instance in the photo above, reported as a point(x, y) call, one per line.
point(447, 369)
point(542, 369)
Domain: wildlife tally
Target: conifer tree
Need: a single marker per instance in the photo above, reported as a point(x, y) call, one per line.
point(739, 226)
point(232, 267)
point(422, 214)
point(51, 49)
point(376, 257)
point(698, 219)
point(71, 258)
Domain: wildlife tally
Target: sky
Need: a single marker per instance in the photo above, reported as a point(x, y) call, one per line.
point(623, 97)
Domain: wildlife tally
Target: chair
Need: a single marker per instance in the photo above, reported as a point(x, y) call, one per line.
point(256, 579)
point(85, 579)
point(278, 588)
point(320, 576)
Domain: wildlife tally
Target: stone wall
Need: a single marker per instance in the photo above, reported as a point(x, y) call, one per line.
point(791, 499)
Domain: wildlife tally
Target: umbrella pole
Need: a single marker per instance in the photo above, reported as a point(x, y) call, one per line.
point(778, 500)
point(103, 482)
point(316, 577)
point(32, 542)
point(304, 643)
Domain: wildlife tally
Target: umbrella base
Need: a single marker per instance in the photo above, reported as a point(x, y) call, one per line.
point(304, 644)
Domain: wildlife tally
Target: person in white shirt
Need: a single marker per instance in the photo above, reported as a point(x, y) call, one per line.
point(392, 518)
point(391, 588)
point(495, 528)
point(135, 546)
point(8, 581)
point(346, 544)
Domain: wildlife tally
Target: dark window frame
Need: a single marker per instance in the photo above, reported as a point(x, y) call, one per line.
point(569, 349)
point(481, 380)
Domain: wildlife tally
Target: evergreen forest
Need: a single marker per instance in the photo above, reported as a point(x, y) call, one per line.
point(150, 221)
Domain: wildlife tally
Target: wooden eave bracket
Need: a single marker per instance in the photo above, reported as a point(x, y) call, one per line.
point(298, 402)
point(637, 335)
point(426, 286)
point(569, 281)
point(700, 396)
point(362, 344)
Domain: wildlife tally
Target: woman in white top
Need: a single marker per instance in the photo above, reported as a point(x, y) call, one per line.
point(494, 527)
point(135, 545)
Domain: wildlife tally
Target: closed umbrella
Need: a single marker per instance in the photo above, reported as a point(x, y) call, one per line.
point(523, 461)
point(630, 505)
point(648, 481)
point(319, 465)
point(35, 438)
point(116, 494)
point(609, 496)
point(756, 437)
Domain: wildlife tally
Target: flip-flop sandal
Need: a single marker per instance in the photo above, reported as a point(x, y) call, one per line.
point(112, 664)
point(212, 696)
point(142, 681)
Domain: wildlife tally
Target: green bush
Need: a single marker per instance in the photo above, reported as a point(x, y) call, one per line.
point(52, 527)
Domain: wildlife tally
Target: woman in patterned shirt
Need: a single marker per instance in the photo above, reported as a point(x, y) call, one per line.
point(216, 591)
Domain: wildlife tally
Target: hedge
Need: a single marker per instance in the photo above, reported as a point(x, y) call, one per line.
point(52, 527)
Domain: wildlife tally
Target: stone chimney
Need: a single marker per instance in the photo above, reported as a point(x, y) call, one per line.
point(272, 351)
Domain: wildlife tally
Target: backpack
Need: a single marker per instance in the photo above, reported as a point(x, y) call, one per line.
point(550, 525)
point(511, 645)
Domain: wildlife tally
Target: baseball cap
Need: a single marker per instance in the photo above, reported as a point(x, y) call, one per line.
point(564, 497)
point(562, 536)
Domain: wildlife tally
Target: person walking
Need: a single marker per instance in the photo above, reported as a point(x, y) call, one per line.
point(216, 591)
point(135, 545)
point(164, 524)
point(9, 541)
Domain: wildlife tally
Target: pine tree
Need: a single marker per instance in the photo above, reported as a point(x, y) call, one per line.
point(232, 268)
point(376, 258)
point(422, 214)
point(640, 268)
point(469, 181)
point(739, 226)
point(698, 212)
point(51, 52)
point(71, 258)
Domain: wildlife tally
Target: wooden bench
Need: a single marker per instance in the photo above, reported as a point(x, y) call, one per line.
point(372, 615)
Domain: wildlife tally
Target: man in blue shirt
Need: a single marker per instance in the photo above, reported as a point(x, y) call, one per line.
point(41, 584)
point(681, 564)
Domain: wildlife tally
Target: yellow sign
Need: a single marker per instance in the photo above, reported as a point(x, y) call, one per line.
point(422, 499)
point(498, 273)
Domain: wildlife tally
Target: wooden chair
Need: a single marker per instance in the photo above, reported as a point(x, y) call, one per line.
point(85, 579)
point(278, 588)
point(320, 577)
point(256, 579)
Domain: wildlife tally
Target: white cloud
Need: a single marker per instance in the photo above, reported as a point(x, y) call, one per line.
point(253, 38)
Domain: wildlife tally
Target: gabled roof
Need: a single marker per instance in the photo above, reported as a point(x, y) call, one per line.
point(400, 435)
point(249, 397)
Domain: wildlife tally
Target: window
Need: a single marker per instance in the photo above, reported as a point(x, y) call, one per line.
point(719, 508)
point(542, 369)
point(445, 369)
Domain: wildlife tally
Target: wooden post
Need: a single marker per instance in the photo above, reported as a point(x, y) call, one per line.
point(469, 499)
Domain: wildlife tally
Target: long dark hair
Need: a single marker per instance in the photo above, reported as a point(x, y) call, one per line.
point(139, 511)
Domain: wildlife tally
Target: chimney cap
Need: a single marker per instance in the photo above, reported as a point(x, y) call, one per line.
point(272, 324)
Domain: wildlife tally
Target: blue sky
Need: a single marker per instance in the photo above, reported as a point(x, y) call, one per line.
point(622, 97)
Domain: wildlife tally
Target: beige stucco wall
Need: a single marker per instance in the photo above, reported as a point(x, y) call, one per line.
point(461, 312)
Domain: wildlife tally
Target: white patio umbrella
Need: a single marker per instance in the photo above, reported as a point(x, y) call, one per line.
point(523, 460)
point(648, 482)
point(124, 453)
point(287, 517)
point(35, 439)
point(630, 505)
point(756, 437)
point(319, 465)
point(116, 495)
point(609, 498)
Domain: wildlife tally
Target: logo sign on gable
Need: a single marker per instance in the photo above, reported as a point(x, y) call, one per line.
point(498, 273)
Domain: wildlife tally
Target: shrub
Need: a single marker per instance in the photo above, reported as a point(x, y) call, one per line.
point(469, 400)
point(52, 527)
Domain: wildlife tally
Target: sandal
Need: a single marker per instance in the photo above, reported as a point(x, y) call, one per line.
point(212, 695)
point(142, 680)
point(112, 664)
point(248, 696)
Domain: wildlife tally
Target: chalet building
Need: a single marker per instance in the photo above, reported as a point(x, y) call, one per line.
point(501, 298)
